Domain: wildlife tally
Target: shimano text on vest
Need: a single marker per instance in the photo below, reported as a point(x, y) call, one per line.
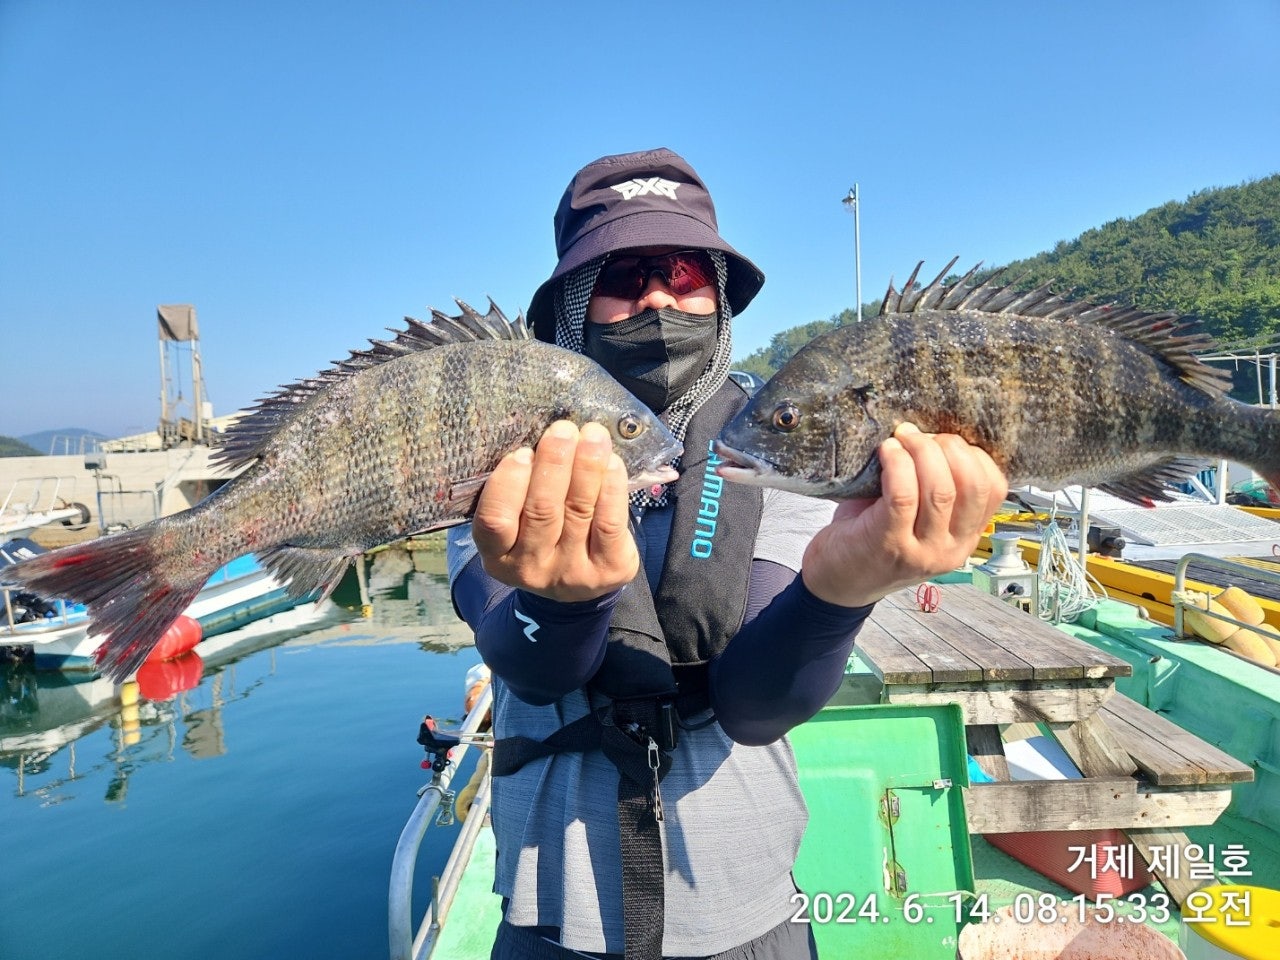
point(709, 509)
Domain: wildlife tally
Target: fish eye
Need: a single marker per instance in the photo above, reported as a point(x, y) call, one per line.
point(630, 427)
point(786, 417)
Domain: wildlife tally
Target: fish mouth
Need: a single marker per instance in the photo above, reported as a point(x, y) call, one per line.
point(739, 466)
point(658, 470)
point(653, 476)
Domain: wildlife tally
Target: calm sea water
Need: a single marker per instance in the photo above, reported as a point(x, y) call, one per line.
point(254, 815)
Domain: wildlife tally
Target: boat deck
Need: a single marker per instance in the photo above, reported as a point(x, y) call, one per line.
point(1168, 530)
point(1182, 523)
point(1256, 586)
point(1142, 774)
point(1118, 692)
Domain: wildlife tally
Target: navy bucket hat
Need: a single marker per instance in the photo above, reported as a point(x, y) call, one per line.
point(629, 200)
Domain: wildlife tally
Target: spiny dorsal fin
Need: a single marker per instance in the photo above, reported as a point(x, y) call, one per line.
point(1168, 336)
point(249, 436)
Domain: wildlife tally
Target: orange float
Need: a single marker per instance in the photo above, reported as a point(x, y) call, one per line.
point(181, 637)
point(160, 680)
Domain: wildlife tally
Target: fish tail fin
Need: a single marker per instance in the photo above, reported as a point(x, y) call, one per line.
point(133, 590)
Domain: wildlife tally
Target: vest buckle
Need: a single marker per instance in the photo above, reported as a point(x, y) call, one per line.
point(668, 732)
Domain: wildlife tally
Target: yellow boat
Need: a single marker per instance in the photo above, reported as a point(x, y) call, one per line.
point(1148, 581)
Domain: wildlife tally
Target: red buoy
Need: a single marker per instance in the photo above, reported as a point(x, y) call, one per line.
point(160, 680)
point(181, 637)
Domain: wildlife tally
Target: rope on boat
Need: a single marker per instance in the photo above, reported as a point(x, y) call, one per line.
point(1065, 590)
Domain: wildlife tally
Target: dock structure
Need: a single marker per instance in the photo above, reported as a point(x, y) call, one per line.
point(1141, 773)
point(119, 489)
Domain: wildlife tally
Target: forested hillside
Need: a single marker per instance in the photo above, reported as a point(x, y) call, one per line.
point(12, 447)
point(1214, 257)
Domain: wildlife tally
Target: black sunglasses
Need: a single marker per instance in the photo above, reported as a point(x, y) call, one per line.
point(625, 276)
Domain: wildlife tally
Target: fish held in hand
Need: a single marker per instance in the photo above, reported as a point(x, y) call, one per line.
point(393, 441)
point(1057, 391)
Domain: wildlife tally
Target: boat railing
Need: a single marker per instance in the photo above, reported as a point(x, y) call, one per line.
point(1217, 563)
point(121, 509)
point(9, 626)
point(19, 506)
point(73, 445)
point(406, 942)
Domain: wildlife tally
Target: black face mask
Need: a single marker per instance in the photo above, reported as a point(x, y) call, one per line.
point(657, 354)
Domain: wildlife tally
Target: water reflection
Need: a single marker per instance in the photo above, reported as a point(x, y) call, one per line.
point(46, 718)
point(42, 714)
point(294, 760)
point(410, 587)
point(59, 730)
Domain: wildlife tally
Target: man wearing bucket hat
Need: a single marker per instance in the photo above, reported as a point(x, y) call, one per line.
point(649, 656)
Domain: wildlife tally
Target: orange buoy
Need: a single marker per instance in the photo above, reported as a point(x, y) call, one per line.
point(182, 636)
point(160, 680)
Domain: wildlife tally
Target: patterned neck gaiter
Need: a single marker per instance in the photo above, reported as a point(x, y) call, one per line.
point(571, 300)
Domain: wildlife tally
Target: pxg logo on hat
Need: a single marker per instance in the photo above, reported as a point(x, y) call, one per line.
point(631, 200)
point(638, 187)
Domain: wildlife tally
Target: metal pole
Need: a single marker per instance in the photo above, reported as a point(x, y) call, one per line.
point(1083, 545)
point(851, 201)
point(164, 392)
point(362, 581)
point(857, 249)
point(197, 382)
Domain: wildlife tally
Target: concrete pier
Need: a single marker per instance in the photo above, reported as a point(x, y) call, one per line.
point(125, 488)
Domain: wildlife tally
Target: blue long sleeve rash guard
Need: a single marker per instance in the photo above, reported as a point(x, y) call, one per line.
point(781, 667)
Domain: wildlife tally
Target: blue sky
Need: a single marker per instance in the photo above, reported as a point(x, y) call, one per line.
point(307, 172)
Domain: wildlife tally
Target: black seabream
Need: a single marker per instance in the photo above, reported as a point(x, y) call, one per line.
point(395, 440)
point(1057, 391)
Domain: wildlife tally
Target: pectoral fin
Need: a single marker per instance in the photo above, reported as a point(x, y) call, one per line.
point(463, 494)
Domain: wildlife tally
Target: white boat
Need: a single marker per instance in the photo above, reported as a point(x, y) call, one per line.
point(35, 502)
point(58, 637)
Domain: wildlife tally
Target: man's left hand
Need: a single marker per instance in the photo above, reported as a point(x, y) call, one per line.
point(938, 492)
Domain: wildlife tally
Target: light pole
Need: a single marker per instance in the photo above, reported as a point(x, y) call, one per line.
point(851, 201)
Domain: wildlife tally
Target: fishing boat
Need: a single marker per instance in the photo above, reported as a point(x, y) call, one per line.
point(1130, 552)
point(925, 833)
point(38, 501)
point(54, 633)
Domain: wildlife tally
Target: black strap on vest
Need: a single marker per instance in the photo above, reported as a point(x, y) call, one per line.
point(713, 536)
point(655, 663)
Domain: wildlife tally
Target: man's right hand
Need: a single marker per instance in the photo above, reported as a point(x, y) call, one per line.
point(554, 520)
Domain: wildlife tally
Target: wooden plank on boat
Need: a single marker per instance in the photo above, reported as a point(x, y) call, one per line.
point(889, 659)
point(1053, 654)
point(946, 665)
point(1092, 804)
point(1009, 701)
point(973, 641)
point(1024, 730)
point(1093, 748)
point(1165, 752)
point(1177, 881)
point(1014, 633)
